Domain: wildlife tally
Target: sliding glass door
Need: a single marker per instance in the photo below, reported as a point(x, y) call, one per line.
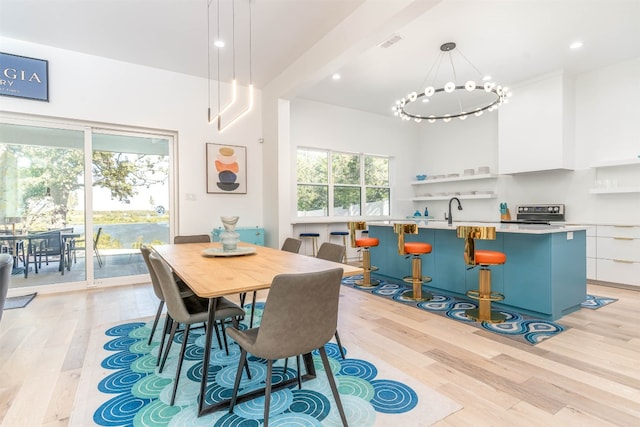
point(76, 202)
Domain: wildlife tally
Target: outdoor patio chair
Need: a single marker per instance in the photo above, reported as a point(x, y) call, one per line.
point(312, 300)
point(79, 244)
point(50, 245)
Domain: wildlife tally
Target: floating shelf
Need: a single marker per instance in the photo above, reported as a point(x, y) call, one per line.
point(612, 163)
point(461, 197)
point(455, 178)
point(617, 190)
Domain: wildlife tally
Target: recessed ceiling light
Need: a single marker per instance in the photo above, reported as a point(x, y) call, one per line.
point(218, 43)
point(486, 78)
point(575, 45)
point(336, 76)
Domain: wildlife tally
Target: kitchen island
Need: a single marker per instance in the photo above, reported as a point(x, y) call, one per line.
point(544, 276)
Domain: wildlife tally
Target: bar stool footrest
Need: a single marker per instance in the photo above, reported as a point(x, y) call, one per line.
point(493, 296)
point(372, 283)
point(410, 279)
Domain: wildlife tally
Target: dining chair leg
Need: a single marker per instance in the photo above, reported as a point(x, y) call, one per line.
point(339, 345)
point(332, 383)
point(299, 373)
point(215, 328)
point(253, 309)
point(224, 337)
point(267, 393)
point(174, 326)
point(236, 384)
point(155, 322)
point(167, 324)
point(182, 352)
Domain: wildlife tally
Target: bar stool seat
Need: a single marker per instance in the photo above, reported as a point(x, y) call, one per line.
point(484, 257)
point(314, 241)
point(417, 248)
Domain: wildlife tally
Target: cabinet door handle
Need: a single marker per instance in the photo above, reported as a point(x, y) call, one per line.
point(623, 261)
point(623, 238)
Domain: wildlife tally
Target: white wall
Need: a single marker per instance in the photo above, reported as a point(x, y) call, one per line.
point(85, 87)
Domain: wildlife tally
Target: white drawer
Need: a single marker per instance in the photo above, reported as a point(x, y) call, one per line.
point(620, 248)
point(591, 247)
point(627, 273)
point(591, 269)
point(618, 231)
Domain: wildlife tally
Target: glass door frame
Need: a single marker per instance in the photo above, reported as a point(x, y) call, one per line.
point(89, 128)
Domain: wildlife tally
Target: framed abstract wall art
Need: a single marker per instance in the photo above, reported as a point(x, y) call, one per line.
point(226, 169)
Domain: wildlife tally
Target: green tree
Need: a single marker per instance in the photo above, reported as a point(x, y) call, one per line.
point(53, 175)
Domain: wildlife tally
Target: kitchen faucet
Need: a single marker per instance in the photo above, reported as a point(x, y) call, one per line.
point(450, 217)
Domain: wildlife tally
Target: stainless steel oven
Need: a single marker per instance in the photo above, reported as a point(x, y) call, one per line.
point(538, 214)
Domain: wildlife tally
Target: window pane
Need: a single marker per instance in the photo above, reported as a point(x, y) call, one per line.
point(313, 200)
point(376, 171)
point(346, 201)
point(312, 167)
point(377, 201)
point(345, 168)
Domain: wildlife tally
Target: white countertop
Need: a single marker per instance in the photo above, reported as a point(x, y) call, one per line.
point(500, 227)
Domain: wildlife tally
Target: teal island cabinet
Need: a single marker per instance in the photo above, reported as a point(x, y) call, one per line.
point(544, 275)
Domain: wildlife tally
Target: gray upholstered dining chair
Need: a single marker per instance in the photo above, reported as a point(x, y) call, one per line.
point(300, 315)
point(6, 266)
point(187, 311)
point(291, 245)
point(194, 238)
point(335, 253)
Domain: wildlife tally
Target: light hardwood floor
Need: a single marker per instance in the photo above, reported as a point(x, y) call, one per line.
point(586, 376)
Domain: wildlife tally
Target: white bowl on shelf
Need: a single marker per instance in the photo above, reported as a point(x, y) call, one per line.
point(469, 171)
point(484, 169)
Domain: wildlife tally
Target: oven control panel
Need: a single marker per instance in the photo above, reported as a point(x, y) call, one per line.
point(552, 212)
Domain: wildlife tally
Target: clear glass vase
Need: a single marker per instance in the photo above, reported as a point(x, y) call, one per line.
point(229, 237)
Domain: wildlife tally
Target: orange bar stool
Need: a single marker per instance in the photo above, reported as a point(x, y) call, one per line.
point(364, 243)
point(415, 249)
point(484, 258)
point(314, 240)
point(344, 235)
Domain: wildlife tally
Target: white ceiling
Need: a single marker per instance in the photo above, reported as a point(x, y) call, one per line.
point(513, 40)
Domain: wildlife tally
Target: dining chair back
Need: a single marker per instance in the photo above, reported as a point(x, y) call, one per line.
point(146, 251)
point(195, 238)
point(300, 316)
point(6, 265)
point(331, 252)
point(291, 245)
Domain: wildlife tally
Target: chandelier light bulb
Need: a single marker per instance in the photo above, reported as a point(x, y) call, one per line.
point(470, 86)
point(447, 118)
point(412, 96)
point(449, 87)
point(429, 91)
point(478, 113)
point(463, 117)
point(418, 120)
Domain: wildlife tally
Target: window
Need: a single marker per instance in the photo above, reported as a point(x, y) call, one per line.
point(332, 183)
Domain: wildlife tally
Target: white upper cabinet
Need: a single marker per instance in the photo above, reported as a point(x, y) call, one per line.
point(536, 129)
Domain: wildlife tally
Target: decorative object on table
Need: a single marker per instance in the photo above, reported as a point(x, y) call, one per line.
point(421, 177)
point(453, 98)
point(226, 169)
point(229, 237)
point(505, 215)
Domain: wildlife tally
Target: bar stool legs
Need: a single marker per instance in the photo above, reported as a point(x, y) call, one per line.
point(485, 296)
point(415, 249)
point(314, 241)
point(364, 243)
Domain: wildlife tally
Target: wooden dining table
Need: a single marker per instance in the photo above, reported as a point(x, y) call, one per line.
point(210, 273)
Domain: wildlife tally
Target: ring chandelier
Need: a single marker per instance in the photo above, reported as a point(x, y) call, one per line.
point(452, 99)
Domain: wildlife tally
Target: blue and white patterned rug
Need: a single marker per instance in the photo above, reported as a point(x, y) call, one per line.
point(594, 302)
point(131, 392)
point(517, 326)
